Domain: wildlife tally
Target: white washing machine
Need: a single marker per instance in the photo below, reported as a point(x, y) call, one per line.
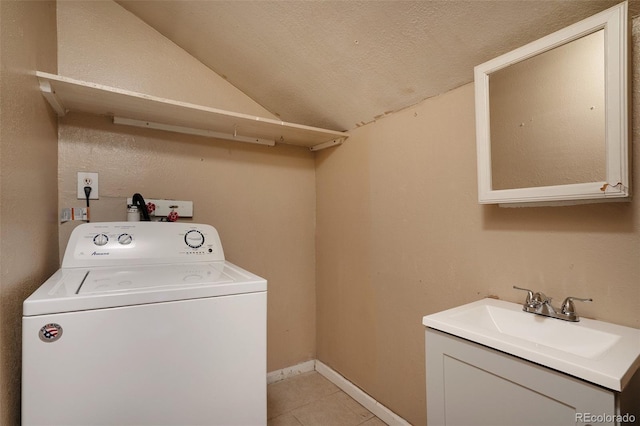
point(145, 324)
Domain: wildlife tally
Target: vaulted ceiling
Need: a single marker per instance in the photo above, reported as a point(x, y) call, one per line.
point(341, 64)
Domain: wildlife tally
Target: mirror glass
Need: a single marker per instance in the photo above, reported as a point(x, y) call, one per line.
point(547, 117)
point(551, 117)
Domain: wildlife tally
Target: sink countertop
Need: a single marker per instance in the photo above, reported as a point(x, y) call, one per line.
point(599, 352)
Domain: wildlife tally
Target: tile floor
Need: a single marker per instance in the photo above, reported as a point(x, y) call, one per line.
point(311, 400)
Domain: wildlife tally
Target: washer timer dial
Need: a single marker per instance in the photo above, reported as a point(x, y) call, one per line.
point(100, 239)
point(194, 238)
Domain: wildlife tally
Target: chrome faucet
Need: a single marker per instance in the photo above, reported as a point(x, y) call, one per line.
point(539, 304)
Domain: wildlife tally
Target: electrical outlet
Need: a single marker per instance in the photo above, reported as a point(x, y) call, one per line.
point(87, 179)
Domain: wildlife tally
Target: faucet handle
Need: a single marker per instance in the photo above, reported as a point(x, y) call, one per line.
point(529, 300)
point(567, 305)
point(540, 298)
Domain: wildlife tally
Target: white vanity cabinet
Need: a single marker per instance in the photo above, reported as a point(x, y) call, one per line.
point(472, 384)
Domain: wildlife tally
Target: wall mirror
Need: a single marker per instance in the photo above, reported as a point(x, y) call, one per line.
point(552, 117)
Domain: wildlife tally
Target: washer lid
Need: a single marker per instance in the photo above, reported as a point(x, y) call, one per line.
point(80, 289)
point(145, 278)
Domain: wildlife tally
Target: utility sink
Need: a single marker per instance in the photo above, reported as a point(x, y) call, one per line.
point(598, 352)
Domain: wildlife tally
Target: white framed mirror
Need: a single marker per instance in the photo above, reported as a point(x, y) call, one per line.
point(552, 117)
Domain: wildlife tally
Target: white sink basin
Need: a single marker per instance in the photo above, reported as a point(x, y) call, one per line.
point(599, 352)
point(581, 341)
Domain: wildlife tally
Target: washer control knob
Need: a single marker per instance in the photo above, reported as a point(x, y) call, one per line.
point(100, 239)
point(194, 238)
point(125, 239)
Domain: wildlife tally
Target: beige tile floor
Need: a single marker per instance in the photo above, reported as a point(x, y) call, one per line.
point(311, 400)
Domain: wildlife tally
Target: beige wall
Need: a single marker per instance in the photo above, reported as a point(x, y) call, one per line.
point(261, 199)
point(28, 179)
point(400, 235)
point(101, 42)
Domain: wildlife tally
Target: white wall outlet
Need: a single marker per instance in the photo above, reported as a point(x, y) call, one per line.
point(87, 179)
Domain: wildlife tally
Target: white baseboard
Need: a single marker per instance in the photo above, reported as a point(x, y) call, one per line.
point(379, 410)
point(285, 373)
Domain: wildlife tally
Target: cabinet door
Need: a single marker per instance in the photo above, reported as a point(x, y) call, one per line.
point(470, 384)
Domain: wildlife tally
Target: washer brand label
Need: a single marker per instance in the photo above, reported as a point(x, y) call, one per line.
point(50, 332)
point(95, 253)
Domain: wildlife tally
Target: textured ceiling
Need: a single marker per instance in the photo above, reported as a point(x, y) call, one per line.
point(340, 64)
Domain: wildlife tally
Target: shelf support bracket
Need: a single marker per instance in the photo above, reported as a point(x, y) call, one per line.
point(50, 95)
point(192, 131)
point(327, 144)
